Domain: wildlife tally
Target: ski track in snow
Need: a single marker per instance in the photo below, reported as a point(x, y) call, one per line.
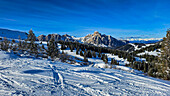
point(28, 76)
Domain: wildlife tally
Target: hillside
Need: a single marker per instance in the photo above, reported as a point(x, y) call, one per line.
point(42, 77)
point(130, 47)
point(12, 34)
point(60, 67)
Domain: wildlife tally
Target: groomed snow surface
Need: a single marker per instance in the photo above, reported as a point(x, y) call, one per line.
point(37, 77)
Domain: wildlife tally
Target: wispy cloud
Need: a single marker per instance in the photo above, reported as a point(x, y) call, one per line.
point(120, 18)
point(7, 19)
point(111, 30)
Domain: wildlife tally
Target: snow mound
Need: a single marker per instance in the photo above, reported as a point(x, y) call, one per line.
point(3, 55)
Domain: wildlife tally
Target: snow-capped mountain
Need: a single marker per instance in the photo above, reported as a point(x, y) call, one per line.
point(12, 34)
point(102, 39)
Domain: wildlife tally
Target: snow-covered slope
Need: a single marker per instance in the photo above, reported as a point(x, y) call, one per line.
point(12, 34)
point(134, 46)
point(37, 77)
point(140, 46)
point(155, 53)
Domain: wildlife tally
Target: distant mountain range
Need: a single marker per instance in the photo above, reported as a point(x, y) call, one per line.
point(12, 34)
point(96, 38)
point(146, 40)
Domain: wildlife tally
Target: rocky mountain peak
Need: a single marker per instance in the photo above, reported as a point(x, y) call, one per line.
point(96, 33)
point(66, 35)
point(102, 39)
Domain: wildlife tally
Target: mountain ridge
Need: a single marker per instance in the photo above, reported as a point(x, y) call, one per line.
point(96, 38)
point(12, 34)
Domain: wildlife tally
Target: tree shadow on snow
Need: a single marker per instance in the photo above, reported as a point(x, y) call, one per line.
point(34, 71)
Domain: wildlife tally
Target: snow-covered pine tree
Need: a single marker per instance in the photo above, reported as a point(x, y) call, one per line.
point(5, 44)
point(12, 42)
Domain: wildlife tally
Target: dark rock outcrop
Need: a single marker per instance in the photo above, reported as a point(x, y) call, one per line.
point(41, 38)
point(56, 37)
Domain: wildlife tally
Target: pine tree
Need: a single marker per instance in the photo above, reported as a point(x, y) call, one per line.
point(102, 58)
point(117, 63)
point(89, 54)
point(85, 53)
point(5, 44)
point(106, 59)
point(99, 55)
point(165, 56)
point(52, 48)
point(112, 61)
point(77, 51)
point(62, 52)
point(12, 42)
point(85, 59)
point(94, 54)
point(20, 43)
point(43, 47)
point(31, 38)
point(81, 53)
point(71, 48)
point(151, 71)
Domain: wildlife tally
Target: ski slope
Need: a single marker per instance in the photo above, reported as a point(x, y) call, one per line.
point(38, 77)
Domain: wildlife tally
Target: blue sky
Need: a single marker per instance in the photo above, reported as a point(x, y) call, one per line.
point(118, 18)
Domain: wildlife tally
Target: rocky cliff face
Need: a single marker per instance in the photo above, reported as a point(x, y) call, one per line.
point(41, 38)
point(102, 39)
point(56, 36)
